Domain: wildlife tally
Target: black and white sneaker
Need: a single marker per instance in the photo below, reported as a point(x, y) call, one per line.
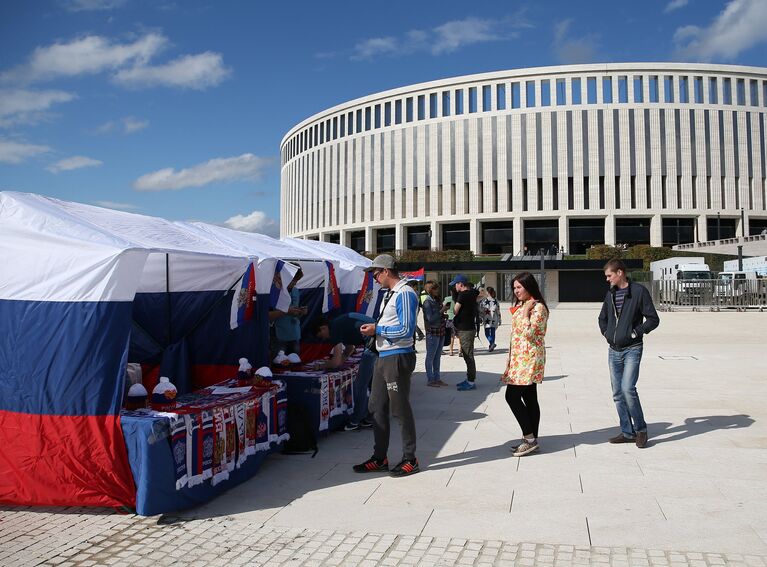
point(351, 426)
point(405, 467)
point(366, 423)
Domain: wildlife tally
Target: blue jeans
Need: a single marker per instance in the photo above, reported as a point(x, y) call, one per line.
point(624, 373)
point(434, 344)
point(490, 334)
point(361, 385)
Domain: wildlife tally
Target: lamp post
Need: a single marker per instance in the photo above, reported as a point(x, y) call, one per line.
point(718, 226)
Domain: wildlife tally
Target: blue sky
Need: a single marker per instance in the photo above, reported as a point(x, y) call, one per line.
point(177, 108)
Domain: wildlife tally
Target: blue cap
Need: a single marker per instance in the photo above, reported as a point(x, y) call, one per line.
point(460, 278)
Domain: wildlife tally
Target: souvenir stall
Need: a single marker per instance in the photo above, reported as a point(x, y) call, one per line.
point(68, 306)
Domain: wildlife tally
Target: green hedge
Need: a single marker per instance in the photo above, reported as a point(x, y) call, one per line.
point(649, 254)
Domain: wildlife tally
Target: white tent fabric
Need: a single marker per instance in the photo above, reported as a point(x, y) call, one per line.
point(55, 250)
point(351, 263)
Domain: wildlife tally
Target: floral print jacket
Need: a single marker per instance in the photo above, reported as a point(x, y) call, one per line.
point(527, 351)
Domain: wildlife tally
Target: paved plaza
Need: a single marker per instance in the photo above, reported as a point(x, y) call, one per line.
point(696, 496)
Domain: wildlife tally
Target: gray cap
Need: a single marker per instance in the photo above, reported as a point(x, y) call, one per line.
point(382, 262)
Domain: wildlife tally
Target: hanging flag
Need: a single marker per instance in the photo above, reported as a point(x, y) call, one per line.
point(332, 298)
point(243, 302)
point(365, 298)
point(279, 296)
point(417, 275)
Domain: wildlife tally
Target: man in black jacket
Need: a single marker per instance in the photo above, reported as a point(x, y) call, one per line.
point(627, 315)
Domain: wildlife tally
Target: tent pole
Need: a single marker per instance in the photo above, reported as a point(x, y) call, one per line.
point(167, 297)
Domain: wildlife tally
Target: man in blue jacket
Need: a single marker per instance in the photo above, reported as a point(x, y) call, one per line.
point(627, 315)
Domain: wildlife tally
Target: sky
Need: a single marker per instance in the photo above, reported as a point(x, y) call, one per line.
point(177, 108)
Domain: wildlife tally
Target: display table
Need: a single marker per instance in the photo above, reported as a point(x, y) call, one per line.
point(326, 394)
point(207, 444)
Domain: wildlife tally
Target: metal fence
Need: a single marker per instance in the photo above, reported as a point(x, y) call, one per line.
point(709, 295)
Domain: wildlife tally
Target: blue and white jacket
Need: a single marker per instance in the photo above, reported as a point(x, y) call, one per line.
point(396, 326)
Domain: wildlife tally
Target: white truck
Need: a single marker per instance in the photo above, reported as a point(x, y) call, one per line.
point(682, 279)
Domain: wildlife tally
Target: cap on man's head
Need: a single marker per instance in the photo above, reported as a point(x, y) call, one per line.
point(460, 278)
point(382, 262)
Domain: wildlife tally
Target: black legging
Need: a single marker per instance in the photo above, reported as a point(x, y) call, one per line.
point(523, 401)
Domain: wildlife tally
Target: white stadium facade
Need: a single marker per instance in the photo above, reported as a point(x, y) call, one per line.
point(540, 158)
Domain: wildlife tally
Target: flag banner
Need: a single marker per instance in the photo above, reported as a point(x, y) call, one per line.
point(332, 299)
point(366, 297)
point(417, 275)
point(279, 296)
point(243, 302)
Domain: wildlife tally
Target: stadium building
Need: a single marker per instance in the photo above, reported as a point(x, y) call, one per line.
point(530, 159)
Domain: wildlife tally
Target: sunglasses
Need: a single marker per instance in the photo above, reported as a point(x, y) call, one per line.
point(377, 273)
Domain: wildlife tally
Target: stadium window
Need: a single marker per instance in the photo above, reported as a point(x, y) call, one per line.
point(421, 107)
point(433, 105)
point(459, 101)
point(575, 88)
point(713, 91)
point(591, 90)
point(445, 103)
point(545, 92)
point(698, 89)
point(367, 119)
point(530, 91)
point(398, 111)
point(377, 116)
point(350, 123)
point(358, 127)
point(668, 88)
point(387, 114)
point(727, 91)
point(500, 96)
point(741, 92)
point(487, 98)
point(472, 99)
point(754, 85)
point(515, 102)
point(561, 92)
point(409, 109)
point(335, 127)
point(684, 95)
point(638, 89)
point(343, 125)
point(623, 88)
point(607, 90)
point(653, 85)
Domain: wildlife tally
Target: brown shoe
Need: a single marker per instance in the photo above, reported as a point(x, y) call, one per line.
point(620, 438)
point(641, 439)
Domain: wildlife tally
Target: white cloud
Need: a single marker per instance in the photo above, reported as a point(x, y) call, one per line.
point(573, 49)
point(244, 167)
point(85, 56)
point(126, 125)
point(676, 5)
point(17, 152)
point(740, 26)
point(116, 206)
point(130, 63)
point(257, 221)
point(74, 162)
point(445, 38)
point(190, 71)
point(92, 5)
point(22, 106)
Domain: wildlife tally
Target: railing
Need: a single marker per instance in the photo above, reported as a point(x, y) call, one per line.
point(710, 295)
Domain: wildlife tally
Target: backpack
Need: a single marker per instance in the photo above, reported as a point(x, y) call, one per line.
point(302, 436)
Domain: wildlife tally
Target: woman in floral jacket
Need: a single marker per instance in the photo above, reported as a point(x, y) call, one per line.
point(527, 358)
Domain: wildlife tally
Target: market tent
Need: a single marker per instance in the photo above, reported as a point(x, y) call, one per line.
point(70, 275)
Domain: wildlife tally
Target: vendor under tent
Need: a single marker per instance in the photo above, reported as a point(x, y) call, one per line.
point(75, 278)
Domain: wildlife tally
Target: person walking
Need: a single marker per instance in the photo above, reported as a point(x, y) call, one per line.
point(527, 359)
point(490, 311)
point(434, 320)
point(627, 315)
point(465, 309)
point(393, 369)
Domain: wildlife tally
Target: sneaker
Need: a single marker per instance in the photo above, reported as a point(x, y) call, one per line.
point(491, 348)
point(513, 448)
point(641, 439)
point(442, 383)
point(526, 448)
point(351, 426)
point(620, 438)
point(366, 423)
point(372, 465)
point(461, 384)
point(405, 468)
point(466, 386)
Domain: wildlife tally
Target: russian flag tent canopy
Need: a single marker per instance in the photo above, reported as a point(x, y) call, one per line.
point(69, 276)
